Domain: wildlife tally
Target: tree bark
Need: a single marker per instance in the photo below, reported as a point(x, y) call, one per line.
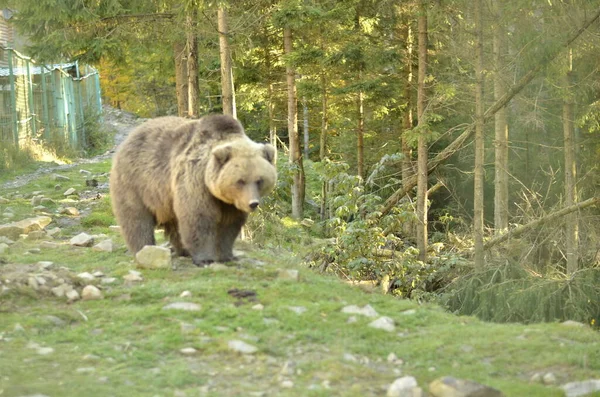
point(500, 128)
point(305, 126)
point(227, 89)
point(422, 149)
point(360, 135)
point(181, 79)
point(516, 232)
point(295, 157)
point(571, 220)
point(323, 140)
point(478, 180)
point(455, 145)
point(407, 117)
point(192, 61)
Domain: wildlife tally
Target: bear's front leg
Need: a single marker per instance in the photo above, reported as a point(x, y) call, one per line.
point(227, 237)
point(199, 238)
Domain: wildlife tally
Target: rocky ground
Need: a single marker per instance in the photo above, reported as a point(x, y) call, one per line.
point(80, 316)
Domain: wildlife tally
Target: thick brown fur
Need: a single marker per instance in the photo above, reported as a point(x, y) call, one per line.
point(198, 179)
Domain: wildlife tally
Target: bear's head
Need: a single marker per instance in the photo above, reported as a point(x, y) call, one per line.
point(240, 172)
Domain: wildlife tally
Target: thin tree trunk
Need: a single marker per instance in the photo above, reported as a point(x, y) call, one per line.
point(478, 180)
point(422, 149)
point(536, 224)
point(323, 140)
point(294, 156)
point(571, 221)
point(181, 79)
point(455, 145)
point(305, 126)
point(360, 135)
point(192, 61)
point(407, 117)
point(227, 89)
point(271, 101)
point(501, 130)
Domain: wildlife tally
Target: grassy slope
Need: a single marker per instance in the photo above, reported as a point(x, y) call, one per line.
point(135, 345)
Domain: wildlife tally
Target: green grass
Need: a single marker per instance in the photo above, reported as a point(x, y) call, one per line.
point(133, 345)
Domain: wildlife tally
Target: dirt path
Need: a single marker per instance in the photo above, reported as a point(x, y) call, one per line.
point(113, 119)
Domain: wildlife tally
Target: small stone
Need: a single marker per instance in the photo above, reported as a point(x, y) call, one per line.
point(14, 229)
point(36, 235)
point(98, 274)
point(70, 211)
point(404, 387)
point(242, 347)
point(46, 201)
point(185, 294)
point(69, 192)
point(61, 290)
point(154, 257)
point(32, 283)
point(288, 274)
point(86, 276)
point(18, 328)
point(575, 324)
point(104, 246)
point(114, 227)
point(286, 384)
point(352, 320)
point(34, 251)
point(72, 295)
point(449, 386)
point(536, 378)
point(85, 172)
point(108, 280)
point(58, 177)
point(367, 310)
point(549, 379)
point(36, 200)
point(55, 231)
point(297, 309)
point(91, 292)
point(393, 359)
point(85, 370)
point(49, 244)
point(188, 351)
point(258, 306)
point(44, 351)
point(383, 323)
point(82, 240)
point(133, 276)
point(580, 389)
point(185, 306)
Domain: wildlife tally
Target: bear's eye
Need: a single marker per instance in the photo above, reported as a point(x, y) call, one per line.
point(241, 182)
point(259, 183)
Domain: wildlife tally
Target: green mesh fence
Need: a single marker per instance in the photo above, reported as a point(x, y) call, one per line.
point(45, 105)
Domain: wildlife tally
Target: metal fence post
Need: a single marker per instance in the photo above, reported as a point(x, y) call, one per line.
point(13, 99)
point(30, 100)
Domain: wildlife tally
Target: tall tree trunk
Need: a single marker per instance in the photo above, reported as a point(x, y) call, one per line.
point(478, 202)
point(571, 221)
point(181, 79)
point(305, 126)
point(407, 117)
point(192, 60)
point(227, 89)
point(360, 136)
point(270, 99)
point(295, 157)
point(323, 140)
point(501, 128)
point(422, 149)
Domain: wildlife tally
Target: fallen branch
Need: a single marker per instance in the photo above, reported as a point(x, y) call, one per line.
point(490, 112)
point(540, 221)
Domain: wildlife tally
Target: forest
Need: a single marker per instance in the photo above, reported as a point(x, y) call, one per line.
point(444, 150)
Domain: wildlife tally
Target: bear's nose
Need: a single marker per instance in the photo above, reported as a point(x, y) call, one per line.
point(253, 205)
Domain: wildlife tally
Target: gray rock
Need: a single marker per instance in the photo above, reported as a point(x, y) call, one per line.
point(104, 246)
point(14, 229)
point(108, 280)
point(46, 201)
point(133, 276)
point(288, 274)
point(453, 387)
point(581, 389)
point(240, 346)
point(58, 177)
point(185, 306)
point(69, 191)
point(404, 387)
point(49, 244)
point(73, 296)
point(85, 276)
point(72, 211)
point(549, 379)
point(36, 235)
point(55, 231)
point(91, 292)
point(383, 323)
point(297, 309)
point(36, 200)
point(6, 240)
point(185, 294)
point(188, 351)
point(367, 310)
point(82, 240)
point(61, 290)
point(44, 351)
point(154, 257)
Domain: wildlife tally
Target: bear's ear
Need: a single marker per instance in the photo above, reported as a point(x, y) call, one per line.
point(269, 152)
point(222, 154)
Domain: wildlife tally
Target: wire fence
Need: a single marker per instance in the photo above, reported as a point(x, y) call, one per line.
point(45, 105)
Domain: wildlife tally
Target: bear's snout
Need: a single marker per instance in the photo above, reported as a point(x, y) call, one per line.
point(253, 205)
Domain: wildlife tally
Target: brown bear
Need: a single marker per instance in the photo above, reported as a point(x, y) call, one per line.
point(198, 179)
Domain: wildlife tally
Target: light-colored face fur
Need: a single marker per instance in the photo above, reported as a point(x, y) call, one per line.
point(241, 172)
